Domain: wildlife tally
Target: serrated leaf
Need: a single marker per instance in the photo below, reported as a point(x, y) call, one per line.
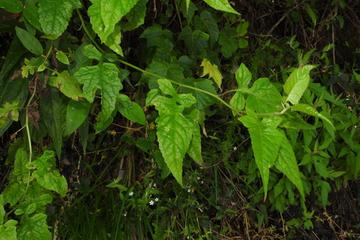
point(166, 87)
point(13, 6)
point(104, 16)
point(174, 136)
point(286, 163)
point(265, 142)
point(221, 5)
point(297, 83)
point(131, 110)
point(67, 85)
point(34, 227)
point(54, 15)
point(243, 76)
point(309, 110)
point(76, 114)
point(212, 70)
point(8, 230)
point(61, 57)
point(47, 176)
point(29, 41)
point(104, 77)
point(194, 150)
point(264, 97)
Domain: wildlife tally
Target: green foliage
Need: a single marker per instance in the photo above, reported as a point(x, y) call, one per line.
point(183, 94)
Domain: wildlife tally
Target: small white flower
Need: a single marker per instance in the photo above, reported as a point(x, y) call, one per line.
point(125, 214)
point(156, 199)
point(151, 203)
point(189, 190)
point(202, 182)
point(131, 194)
point(154, 185)
point(198, 178)
point(235, 148)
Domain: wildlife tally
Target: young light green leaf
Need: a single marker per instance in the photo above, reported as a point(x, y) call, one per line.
point(8, 230)
point(67, 85)
point(187, 2)
point(61, 57)
point(264, 97)
point(221, 5)
point(29, 41)
point(237, 102)
point(174, 133)
point(54, 15)
point(131, 110)
point(265, 141)
point(243, 76)
point(286, 163)
point(76, 114)
point(13, 6)
point(307, 109)
point(212, 70)
point(105, 14)
point(105, 77)
point(297, 83)
point(166, 87)
point(47, 176)
point(34, 227)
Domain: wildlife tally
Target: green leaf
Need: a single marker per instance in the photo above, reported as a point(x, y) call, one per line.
point(61, 57)
point(243, 76)
point(135, 17)
point(31, 14)
point(286, 163)
point(265, 142)
point(212, 70)
point(20, 171)
point(29, 41)
point(13, 6)
point(131, 110)
point(194, 150)
point(166, 87)
point(104, 77)
point(67, 85)
point(47, 175)
point(309, 110)
point(264, 97)
point(2, 210)
point(174, 133)
point(237, 102)
point(221, 5)
point(34, 227)
point(297, 83)
point(105, 14)
point(76, 114)
point(54, 15)
point(187, 2)
point(8, 230)
point(91, 52)
point(9, 111)
point(53, 110)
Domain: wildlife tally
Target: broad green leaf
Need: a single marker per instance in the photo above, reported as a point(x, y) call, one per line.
point(265, 142)
point(166, 87)
point(104, 16)
point(61, 57)
point(221, 5)
point(243, 76)
point(136, 16)
point(9, 111)
point(212, 70)
point(8, 230)
point(29, 41)
point(309, 110)
point(131, 110)
point(13, 6)
point(67, 85)
point(13, 193)
point(286, 163)
point(20, 171)
point(203, 100)
point(31, 14)
point(76, 114)
point(174, 133)
point(237, 102)
point(297, 83)
point(47, 175)
point(264, 97)
point(91, 52)
point(104, 77)
point(53, 112)
point(114, 40)
point(34, 227)
point(325, 189)
point(228, 42)
point(54, 15)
